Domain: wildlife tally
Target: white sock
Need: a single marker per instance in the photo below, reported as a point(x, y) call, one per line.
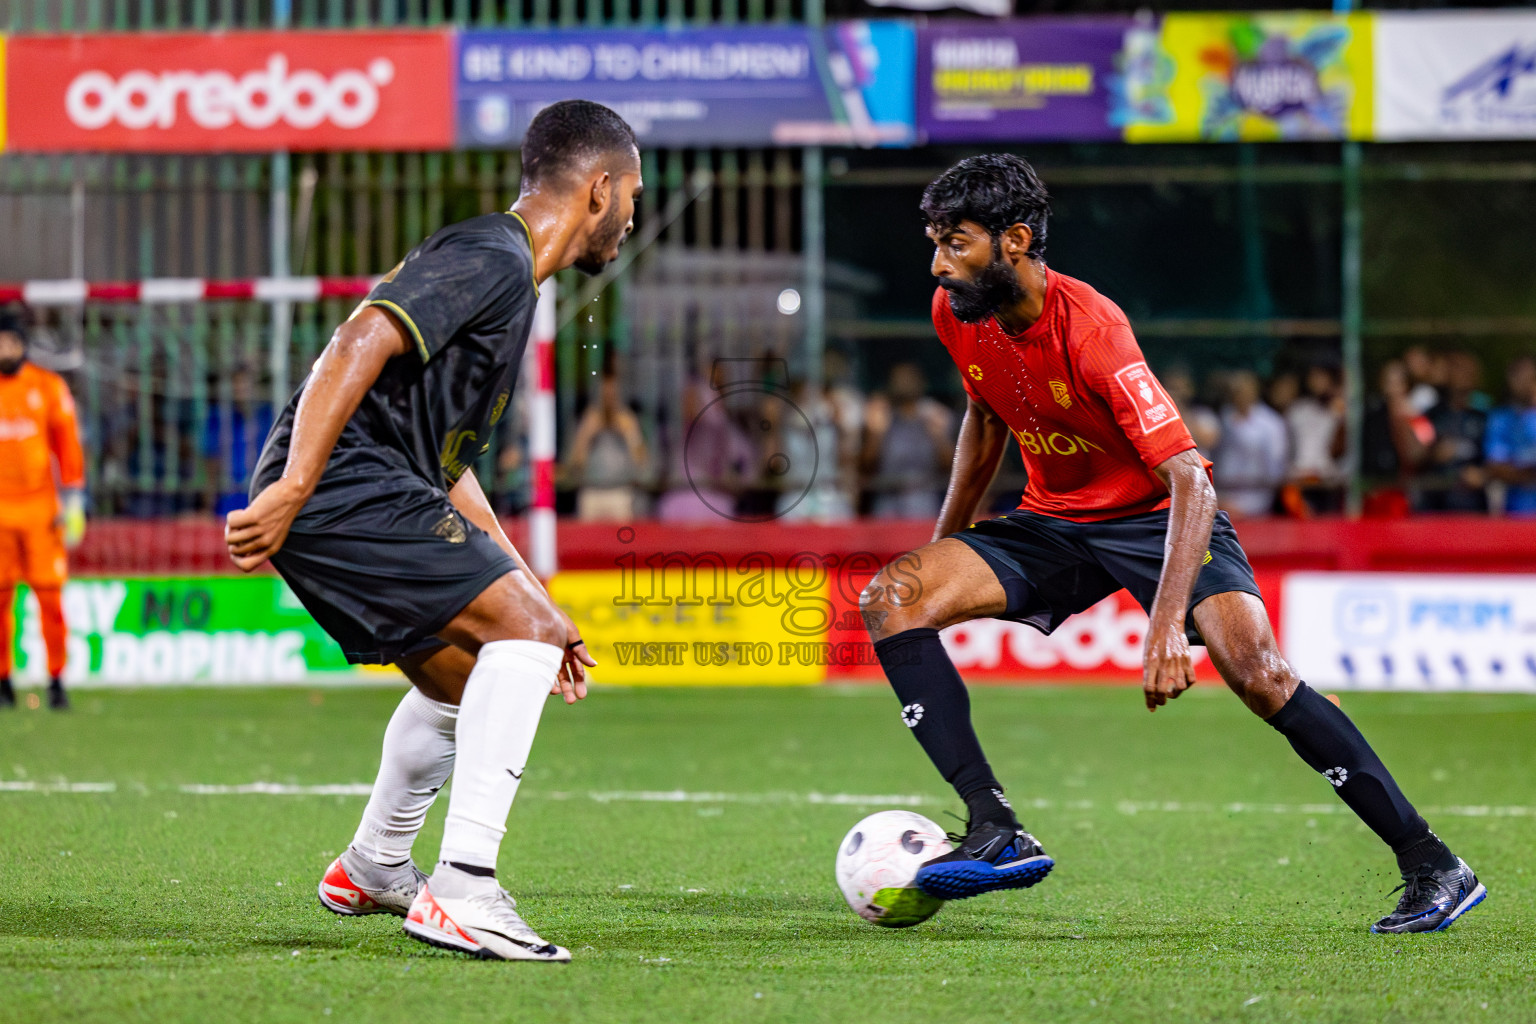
point(498, 717)
point(417, 758)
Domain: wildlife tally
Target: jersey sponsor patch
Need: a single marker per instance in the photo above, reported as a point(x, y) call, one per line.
point(18, 429)
point(1147, 395)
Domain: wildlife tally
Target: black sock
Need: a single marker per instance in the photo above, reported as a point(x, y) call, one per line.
point(989, 805)
point(937, 708)
point(1430, 851)
point(1329, 742)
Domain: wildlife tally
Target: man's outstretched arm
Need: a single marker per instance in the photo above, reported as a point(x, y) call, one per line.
point(348, 367)
point(1168, 670)
point(978, 453)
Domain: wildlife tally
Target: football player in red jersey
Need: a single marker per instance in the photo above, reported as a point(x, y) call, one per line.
point(1117, 497)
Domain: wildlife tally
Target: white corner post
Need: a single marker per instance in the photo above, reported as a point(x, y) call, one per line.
point(539, 372)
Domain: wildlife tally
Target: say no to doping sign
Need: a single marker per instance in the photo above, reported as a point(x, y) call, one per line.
point(231, 91)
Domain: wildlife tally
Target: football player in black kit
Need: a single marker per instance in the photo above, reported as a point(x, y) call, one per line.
point(365, 501)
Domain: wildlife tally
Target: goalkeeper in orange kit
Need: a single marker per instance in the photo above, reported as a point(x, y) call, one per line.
point(42, 507)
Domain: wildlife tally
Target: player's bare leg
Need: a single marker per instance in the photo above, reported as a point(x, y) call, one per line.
point(935, 586)
point(1438, 886)
point(904, 608)
point(517, 637)
point(375, 874)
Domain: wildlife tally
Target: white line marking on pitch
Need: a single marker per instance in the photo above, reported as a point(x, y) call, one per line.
point(279, 789)
point(28, 786)
point(678, 796)
point(682, 796)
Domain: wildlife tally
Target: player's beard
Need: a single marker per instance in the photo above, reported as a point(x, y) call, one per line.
point(610, 232)
point(11, 367)
point(995, 285)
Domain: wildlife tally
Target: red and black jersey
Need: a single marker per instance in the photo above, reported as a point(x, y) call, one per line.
point(1090, 418)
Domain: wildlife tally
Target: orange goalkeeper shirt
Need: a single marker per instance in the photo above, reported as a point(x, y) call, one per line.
point(37, 432)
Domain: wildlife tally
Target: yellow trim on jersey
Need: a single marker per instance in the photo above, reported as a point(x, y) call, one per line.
point(531, 254)
point(405, 318)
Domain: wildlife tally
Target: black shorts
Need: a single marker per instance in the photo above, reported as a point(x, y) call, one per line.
point(1053, 568)
point(385, 562)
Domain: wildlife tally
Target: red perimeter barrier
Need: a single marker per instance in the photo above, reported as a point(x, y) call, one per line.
point(195, 546)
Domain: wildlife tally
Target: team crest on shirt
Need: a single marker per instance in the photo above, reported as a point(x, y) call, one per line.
point(974, 371)
point(1061, 394)
point(451, 529)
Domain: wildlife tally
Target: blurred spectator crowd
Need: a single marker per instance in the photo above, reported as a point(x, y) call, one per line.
point(747, 441)
point(753, 444)
point(1433, 440)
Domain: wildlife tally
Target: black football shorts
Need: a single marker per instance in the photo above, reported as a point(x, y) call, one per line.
point(384, 562)
point(1053, 568)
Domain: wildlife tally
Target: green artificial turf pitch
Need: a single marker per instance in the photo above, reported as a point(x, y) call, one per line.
point(716, 903)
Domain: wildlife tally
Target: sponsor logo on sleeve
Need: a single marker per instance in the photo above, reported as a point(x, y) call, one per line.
point(1152, 403)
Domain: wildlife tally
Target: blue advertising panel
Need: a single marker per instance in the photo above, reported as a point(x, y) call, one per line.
point(849, 84)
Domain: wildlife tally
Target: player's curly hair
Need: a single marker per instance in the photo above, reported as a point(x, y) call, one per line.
point(565, 135)
point(996, 190)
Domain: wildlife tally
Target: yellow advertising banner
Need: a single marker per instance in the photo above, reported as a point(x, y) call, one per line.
point(1218, 77)
point(701, 624)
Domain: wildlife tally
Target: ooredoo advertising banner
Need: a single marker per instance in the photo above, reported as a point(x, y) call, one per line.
point(236, 91)
point(1249, 78)
point(1456, 75)
point(1037, 78)
point(1409, 631)
point(849, 84)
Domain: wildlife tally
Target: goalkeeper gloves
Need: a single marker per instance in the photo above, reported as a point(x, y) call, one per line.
point(73, 517)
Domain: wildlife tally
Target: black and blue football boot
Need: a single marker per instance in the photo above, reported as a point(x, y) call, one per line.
point(989, 857)
point(1432, 900)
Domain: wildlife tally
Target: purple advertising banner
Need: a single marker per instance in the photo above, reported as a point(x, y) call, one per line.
point(1027, 78)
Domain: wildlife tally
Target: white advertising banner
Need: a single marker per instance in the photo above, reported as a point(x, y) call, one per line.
point(1455, 75)
point(1411, 631)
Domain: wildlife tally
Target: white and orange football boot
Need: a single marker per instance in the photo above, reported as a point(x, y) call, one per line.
point(354, 885)
point(481, 919)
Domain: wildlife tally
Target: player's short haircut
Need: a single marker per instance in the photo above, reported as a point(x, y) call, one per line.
point(566, 136)
point(12, 323)
point(997, 191)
